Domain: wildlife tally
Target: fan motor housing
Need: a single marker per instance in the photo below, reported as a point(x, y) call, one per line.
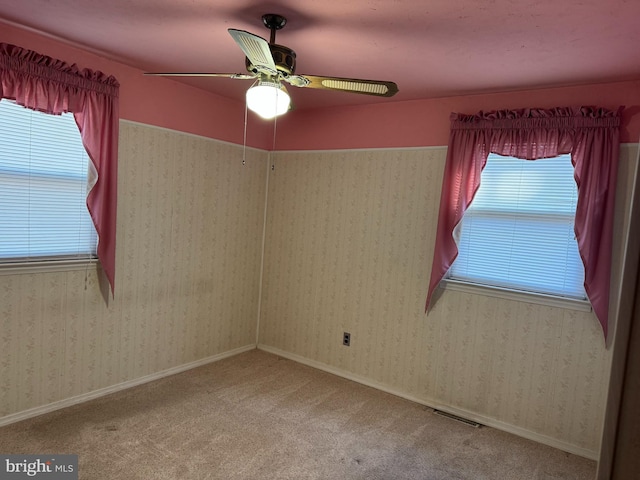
point(283, 57)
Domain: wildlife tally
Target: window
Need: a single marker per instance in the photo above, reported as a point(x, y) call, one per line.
point(518, 233)
point(43, 188)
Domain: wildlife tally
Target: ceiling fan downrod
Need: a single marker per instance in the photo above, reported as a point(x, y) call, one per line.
point(273, 22)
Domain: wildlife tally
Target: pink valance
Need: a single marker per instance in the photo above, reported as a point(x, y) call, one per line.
point(590, 135)
point(55, 87)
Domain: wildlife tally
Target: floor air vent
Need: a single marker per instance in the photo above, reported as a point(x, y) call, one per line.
point(466, 421)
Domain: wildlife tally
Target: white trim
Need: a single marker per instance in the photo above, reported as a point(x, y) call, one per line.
point(628, 251)
point(263, 246)
point(85, 397)
point(369, 149)
point(388, 149)
point(329, 150)
point(432, 403)
point(195, 135)
point(46, 266)
point(517, 295)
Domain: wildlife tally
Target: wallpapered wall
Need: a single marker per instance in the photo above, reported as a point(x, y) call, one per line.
point(348, 248)
point(190, 226)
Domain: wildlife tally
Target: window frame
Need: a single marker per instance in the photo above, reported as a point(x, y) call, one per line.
point(515, 294)
point(52, 262)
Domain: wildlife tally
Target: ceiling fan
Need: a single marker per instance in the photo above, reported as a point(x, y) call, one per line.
point(270, 64)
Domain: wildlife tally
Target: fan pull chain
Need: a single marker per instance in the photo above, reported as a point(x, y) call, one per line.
point(273, 144)
point(275, 128)
point(244, 138)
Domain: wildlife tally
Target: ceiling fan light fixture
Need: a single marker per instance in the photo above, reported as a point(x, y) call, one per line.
point(269, 64)
point(268, 99)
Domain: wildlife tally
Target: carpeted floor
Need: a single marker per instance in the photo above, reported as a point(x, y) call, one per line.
point(258, 416)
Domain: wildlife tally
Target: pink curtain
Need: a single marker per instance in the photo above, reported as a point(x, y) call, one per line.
point(52, 86)
point(590, 135)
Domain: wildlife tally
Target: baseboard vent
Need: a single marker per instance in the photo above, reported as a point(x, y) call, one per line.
point(466, 421)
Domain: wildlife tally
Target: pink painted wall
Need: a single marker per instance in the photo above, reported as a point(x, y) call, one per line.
point(166, 103)
point(426, 122)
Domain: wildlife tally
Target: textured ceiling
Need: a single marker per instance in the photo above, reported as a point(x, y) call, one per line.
point(430, 49)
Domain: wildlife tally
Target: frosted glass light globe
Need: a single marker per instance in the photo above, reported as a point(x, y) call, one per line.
point(267, 100)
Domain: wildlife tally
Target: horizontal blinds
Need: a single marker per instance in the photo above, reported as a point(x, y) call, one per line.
point(519, 231)
point(43, 187)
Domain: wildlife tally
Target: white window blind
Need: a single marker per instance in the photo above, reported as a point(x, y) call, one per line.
point(43, 187)
point(518, 232)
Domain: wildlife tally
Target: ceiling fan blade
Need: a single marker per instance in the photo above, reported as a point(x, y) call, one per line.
point(353, 85)
point(256, 49)
point(241, 76)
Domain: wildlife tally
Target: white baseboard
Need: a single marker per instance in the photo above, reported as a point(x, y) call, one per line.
point(85, 397)
point(432, 403)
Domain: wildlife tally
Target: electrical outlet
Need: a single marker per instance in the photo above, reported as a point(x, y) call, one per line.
point(346, 339)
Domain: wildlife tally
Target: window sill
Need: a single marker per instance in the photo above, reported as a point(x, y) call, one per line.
point(519, 296)
point(46, 266)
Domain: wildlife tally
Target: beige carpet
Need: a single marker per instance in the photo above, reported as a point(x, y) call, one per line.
point(258, 416)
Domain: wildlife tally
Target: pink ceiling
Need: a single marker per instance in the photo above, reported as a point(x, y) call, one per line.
point(431, 49)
